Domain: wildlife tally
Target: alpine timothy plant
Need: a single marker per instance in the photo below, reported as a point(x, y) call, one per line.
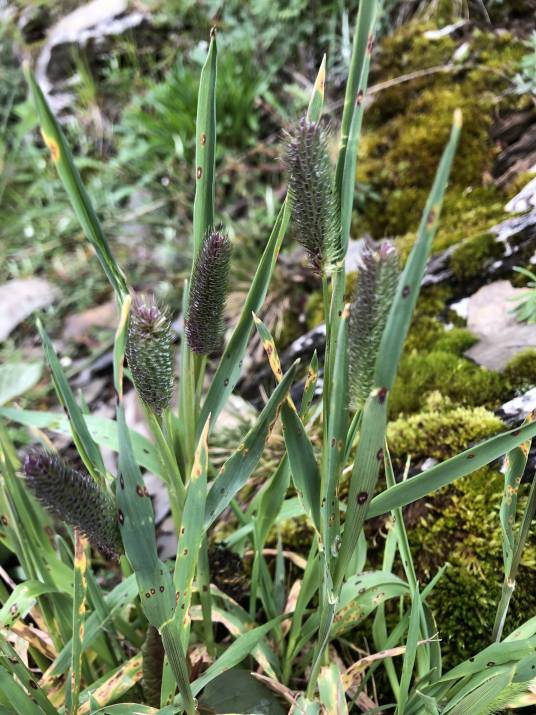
point(315, 215)
point(208, 290)
point(285, 633)
point(149, 353)
point(377, 278)
point(74, 497)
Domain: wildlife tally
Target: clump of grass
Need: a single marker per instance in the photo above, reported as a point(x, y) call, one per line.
point(287, 632)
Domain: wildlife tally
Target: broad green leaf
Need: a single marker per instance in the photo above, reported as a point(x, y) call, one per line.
point(18, 377)
point(235, 653)
point(236, 691)
point(331, 690)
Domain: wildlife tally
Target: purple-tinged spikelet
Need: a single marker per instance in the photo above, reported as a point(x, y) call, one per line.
point(149, 353)
point(75, 498)
point(315, 216)
point(208, 290)
point(376, 285)
point(152, 652)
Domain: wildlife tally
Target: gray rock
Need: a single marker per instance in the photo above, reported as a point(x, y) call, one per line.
point(20, 298)
point(489, 316)
point(92, 23)
point(515, 238)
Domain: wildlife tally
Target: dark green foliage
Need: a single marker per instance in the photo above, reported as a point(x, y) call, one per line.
point(149, 353)
point(376, 285)
point(153, 662)
point(75, 498)
point(210, 277)
point(314, 206)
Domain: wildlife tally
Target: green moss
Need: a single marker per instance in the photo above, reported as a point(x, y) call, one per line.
point(440, 433)
point(408, 125)
point(456, 341)
point(461, 526)
point(521, 370)
point(314, 310)
point(469, 258)
point(454, 377)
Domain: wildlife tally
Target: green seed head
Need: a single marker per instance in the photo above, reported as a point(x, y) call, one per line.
point(75, 498)
point(208, 290)
point(315, 216)
point(149, 353)
point(376, 285)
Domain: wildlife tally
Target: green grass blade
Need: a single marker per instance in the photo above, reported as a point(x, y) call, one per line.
point(370, 448)
point(361, 44)
point(228, 372)
point(102, 430)
point(205, 146)
point(235, 653)
point(331, 690)
point(316, 102)
point(411, 651)
point(79, 606)
point(18, 377)
point(87, 449)
point(68, 173)
point(192, 530)
point(21, 601)
point(16, 667)
point(155, 585)
point(305, 471)
point(365, 35)
point(410, 281)
point(123, 594)
point(238, 468)
point(480, 692)
point(447, 472)
point(19, 699)
point(334, 447)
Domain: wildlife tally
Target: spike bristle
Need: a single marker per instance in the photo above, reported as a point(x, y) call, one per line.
point(376, 285)
point(311, 192)
point(149, 353)
point(75, 498)
point(208, 290)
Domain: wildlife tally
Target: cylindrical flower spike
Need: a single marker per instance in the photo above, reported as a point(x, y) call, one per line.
point(376, 285)
point(149, 353)
point(208, 290)
point(152, 652)
point(75, 498)
point(315, 215)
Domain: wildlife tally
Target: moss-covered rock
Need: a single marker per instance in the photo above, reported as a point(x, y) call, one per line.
point(440, 433)
point(521, 370)
point(471, 256)
point(408, 124)
point(461, 526)
point(454, 377)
